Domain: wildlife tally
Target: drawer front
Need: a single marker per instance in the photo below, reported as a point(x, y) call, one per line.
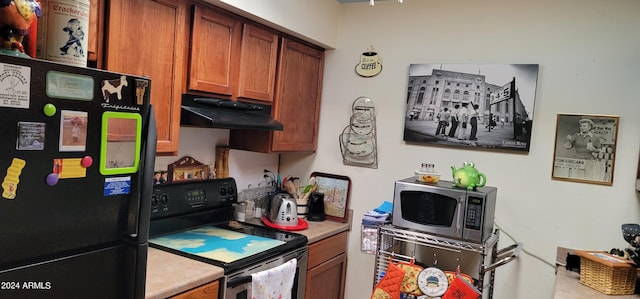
point(325, 249)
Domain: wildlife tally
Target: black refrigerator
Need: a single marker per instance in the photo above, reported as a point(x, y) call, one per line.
point(76, 169)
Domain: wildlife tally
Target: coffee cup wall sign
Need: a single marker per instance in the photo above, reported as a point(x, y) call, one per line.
point(370, 64)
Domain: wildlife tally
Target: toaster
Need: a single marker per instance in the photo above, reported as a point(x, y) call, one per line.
point(283, 210)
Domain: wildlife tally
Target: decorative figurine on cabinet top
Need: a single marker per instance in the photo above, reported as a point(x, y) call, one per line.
point(468, 176)
point(15, 19)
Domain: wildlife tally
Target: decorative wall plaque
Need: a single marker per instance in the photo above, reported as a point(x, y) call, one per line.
point(187, 169)
point(370, 64)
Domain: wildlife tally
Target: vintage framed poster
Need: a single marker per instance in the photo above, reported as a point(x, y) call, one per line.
point(473, 106)
point(336, 189)
point(585, 147)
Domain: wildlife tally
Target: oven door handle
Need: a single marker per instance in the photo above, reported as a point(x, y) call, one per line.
point(236, 281)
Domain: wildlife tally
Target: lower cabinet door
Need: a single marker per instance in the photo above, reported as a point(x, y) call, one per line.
point(326, 281)
point(209, 291)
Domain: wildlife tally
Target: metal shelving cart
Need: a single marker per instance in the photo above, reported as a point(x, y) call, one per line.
point(478, 260)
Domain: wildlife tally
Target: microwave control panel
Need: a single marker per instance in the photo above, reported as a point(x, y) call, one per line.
point(474, 213)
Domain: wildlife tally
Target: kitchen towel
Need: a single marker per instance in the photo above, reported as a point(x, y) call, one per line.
point(275, 283)
point(389, 286)
point(461, 289)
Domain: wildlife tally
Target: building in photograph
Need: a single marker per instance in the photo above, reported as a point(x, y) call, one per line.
point(428, 95)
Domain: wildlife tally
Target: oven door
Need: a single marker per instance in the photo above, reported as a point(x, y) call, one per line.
point(238, 284)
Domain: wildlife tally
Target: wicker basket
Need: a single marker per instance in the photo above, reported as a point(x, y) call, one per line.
point(606, 273)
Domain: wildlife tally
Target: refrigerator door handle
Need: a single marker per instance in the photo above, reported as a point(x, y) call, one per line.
point(140, 203)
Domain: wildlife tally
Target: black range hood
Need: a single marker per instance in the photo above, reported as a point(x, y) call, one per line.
point(226, 114)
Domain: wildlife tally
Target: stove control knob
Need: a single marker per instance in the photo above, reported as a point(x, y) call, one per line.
point(164, 199)
point(230, 190)
point(223, 191)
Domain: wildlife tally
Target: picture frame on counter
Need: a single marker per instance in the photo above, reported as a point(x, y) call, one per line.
point(585, 147)
point(336, 190)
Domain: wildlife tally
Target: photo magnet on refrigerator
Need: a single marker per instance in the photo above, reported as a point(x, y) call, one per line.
point(30, 136)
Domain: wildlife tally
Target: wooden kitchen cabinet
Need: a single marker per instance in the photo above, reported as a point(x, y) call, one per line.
point(231, 57)
point(208, 291)
point(296, 104)
point(96, 27)
point(224, 55)
point(214, 52)
point(326, 268)
point(298, 97)
point(149, 38)
point(258, 57)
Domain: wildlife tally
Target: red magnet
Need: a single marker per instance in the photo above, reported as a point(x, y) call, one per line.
point(86, 162)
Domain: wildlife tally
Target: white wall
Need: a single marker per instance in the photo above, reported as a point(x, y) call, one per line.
point(310, 20)
point(589, 57)
point(200, 143)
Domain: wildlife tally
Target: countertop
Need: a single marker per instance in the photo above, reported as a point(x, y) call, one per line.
point(317, 230)
point(568, 284)
point(169, 274)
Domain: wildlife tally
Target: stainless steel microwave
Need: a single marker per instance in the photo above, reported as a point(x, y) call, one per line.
point(444, 210)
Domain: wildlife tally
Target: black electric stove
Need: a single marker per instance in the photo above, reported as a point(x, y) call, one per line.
point(191, 219)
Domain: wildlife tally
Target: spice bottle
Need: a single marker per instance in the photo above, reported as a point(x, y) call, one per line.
point(428, 167)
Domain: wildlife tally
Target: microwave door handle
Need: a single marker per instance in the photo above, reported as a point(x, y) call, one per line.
point(460, 214)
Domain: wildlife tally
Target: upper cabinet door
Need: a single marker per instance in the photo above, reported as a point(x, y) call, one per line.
point(258, 62)
point(148, 38)
point(214, 53)
point(96, 28)
point(298, 93)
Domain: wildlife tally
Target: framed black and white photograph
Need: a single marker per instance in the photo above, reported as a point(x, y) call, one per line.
point(475, 106)
point(585, 147)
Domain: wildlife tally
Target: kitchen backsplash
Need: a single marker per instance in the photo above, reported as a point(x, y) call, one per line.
point(200, 143)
